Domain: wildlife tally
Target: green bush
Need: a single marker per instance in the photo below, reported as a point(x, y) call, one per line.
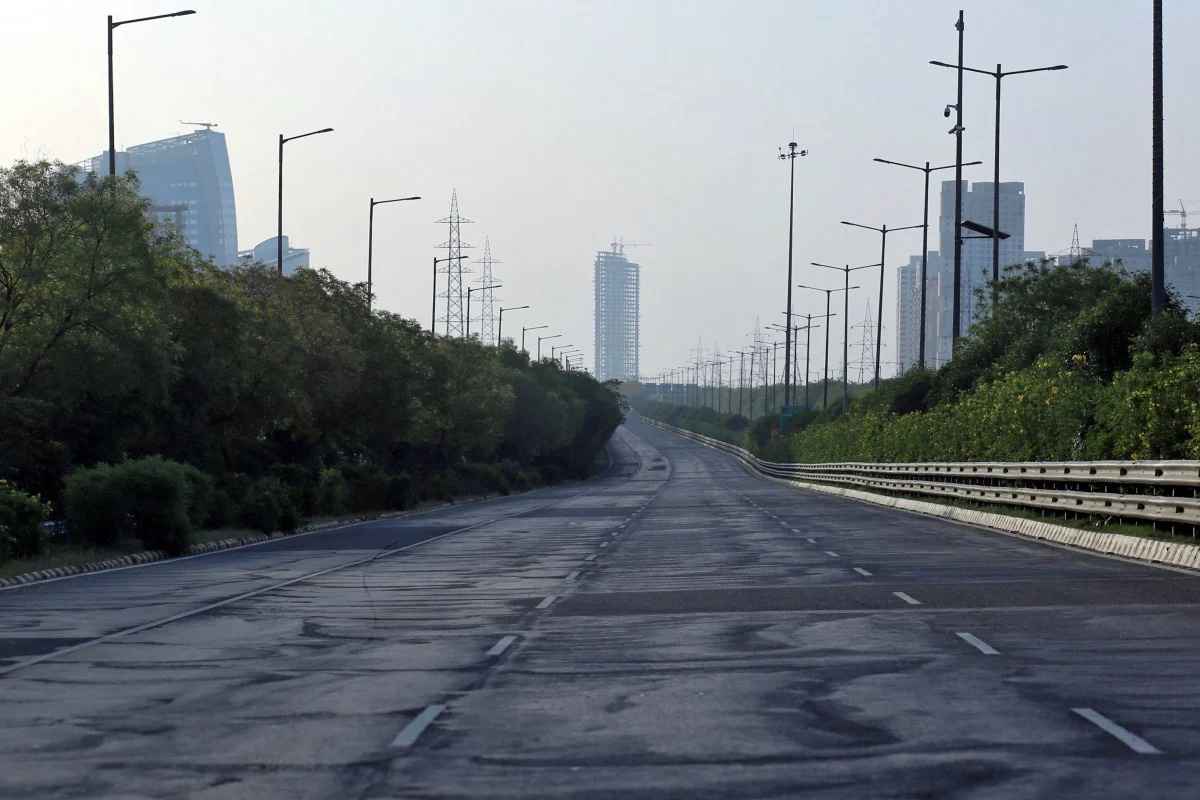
point(367, 485)
point(153, 499)
point(94, 507)
point(332, 492)
point(302, 485)
point(268, 507)
point(477, 478)
point(401, 491)
point(21, 517)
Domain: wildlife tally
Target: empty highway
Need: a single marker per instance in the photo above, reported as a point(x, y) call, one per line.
point(675, 628)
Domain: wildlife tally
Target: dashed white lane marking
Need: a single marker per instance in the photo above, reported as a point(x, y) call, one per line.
point(978, 644)
point(831, 553)
point(549, 599)
point(604, 544)
point(499, 647)
point(1127, 737)
point(413, 730)
point(862, 572)
point(908, 598)
point(812, 540)
point(793, 530)
point(592, 557)
point(572, 576)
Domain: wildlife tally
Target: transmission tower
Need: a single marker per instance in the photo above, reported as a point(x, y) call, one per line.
point(866, 357)
point(454, 294)
point(487, 305)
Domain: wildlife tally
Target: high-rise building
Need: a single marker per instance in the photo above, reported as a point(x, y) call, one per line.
point(1181, 260)
point(616, 284)
point(908, 312)
point(977, 253)
point(190, 187)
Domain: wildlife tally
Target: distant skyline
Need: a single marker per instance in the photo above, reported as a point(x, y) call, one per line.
point(564, 125)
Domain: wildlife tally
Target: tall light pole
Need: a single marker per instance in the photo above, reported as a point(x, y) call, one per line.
point(467, 335)
point(542, 339)
point(883, 232)
point(433, 311)
point(791, 155)
point(846, 270)
point(532, 328)
point(828, 316)
point(500, 324)
point(112, 130)
point(1158, 276)
point(924, 239)
point(557, 348)
point(279, 230)
point(371, 238)
point(999, 74)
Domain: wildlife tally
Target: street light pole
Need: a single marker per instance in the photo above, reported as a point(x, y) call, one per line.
point(998, 75)
point(1158, 289)
point(112, 131)
point(883, 232)
point(371, 238)
point(279, 230)
point(544, 338)
point(791, 155)
point(924, 240)
point(500, 324)
point(533, 328)
point(467, 335)
point(846, 270)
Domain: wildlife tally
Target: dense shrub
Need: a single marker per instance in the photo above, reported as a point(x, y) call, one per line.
point(151, 499)
point(332, 493)
point(95, 509)
point(401, 491)
point(268, 506)
point(21, 517)
point(482, 479)
point(367, 486)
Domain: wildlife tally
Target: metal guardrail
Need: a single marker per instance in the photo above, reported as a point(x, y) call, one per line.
point(1152, 491)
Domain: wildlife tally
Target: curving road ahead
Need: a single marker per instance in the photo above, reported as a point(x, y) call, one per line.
point(677, 628)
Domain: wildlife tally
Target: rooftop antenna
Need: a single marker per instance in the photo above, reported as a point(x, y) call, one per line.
point(205, 125)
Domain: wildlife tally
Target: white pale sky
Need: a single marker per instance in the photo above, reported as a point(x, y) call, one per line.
point(564, 124)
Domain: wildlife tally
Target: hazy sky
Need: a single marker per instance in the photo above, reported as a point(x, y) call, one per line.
point(564, 124)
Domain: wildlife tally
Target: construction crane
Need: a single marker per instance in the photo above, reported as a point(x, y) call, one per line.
point(206, 125)
point(1182, 214)
point(619, 245)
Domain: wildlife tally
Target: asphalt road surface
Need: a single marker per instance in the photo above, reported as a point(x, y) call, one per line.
point(677, 628)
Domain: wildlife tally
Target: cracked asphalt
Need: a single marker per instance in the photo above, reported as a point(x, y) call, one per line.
point(676, 628)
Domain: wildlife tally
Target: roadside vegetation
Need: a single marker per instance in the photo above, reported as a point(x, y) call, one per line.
point(146, 394)
point(1070, 366)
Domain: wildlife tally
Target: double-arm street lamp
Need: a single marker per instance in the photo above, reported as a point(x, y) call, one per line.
point(883, 232)
point(846, 270)
point(542, 339)
point(112, 133)
point(558, 349)
point(828, 321)
point(999, 74)
point(279, 229)
point(924, 238)
point(433, 312)
point(476, 289)
point(371, 238)
point(533, 328)
point(500, 324)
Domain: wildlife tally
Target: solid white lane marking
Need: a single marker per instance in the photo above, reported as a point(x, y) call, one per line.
point(413, 730)
point(1127, 737)
point(592, 557)
point(831, 553)
point(862, 572)
point(912, 601)
point(502, 645)
point(550, 598)
point(572, 576)
point(978, 644)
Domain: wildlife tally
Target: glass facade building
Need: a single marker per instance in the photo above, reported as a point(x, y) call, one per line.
point(189, 184)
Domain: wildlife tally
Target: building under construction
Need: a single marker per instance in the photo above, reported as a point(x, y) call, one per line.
point(617, 281)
